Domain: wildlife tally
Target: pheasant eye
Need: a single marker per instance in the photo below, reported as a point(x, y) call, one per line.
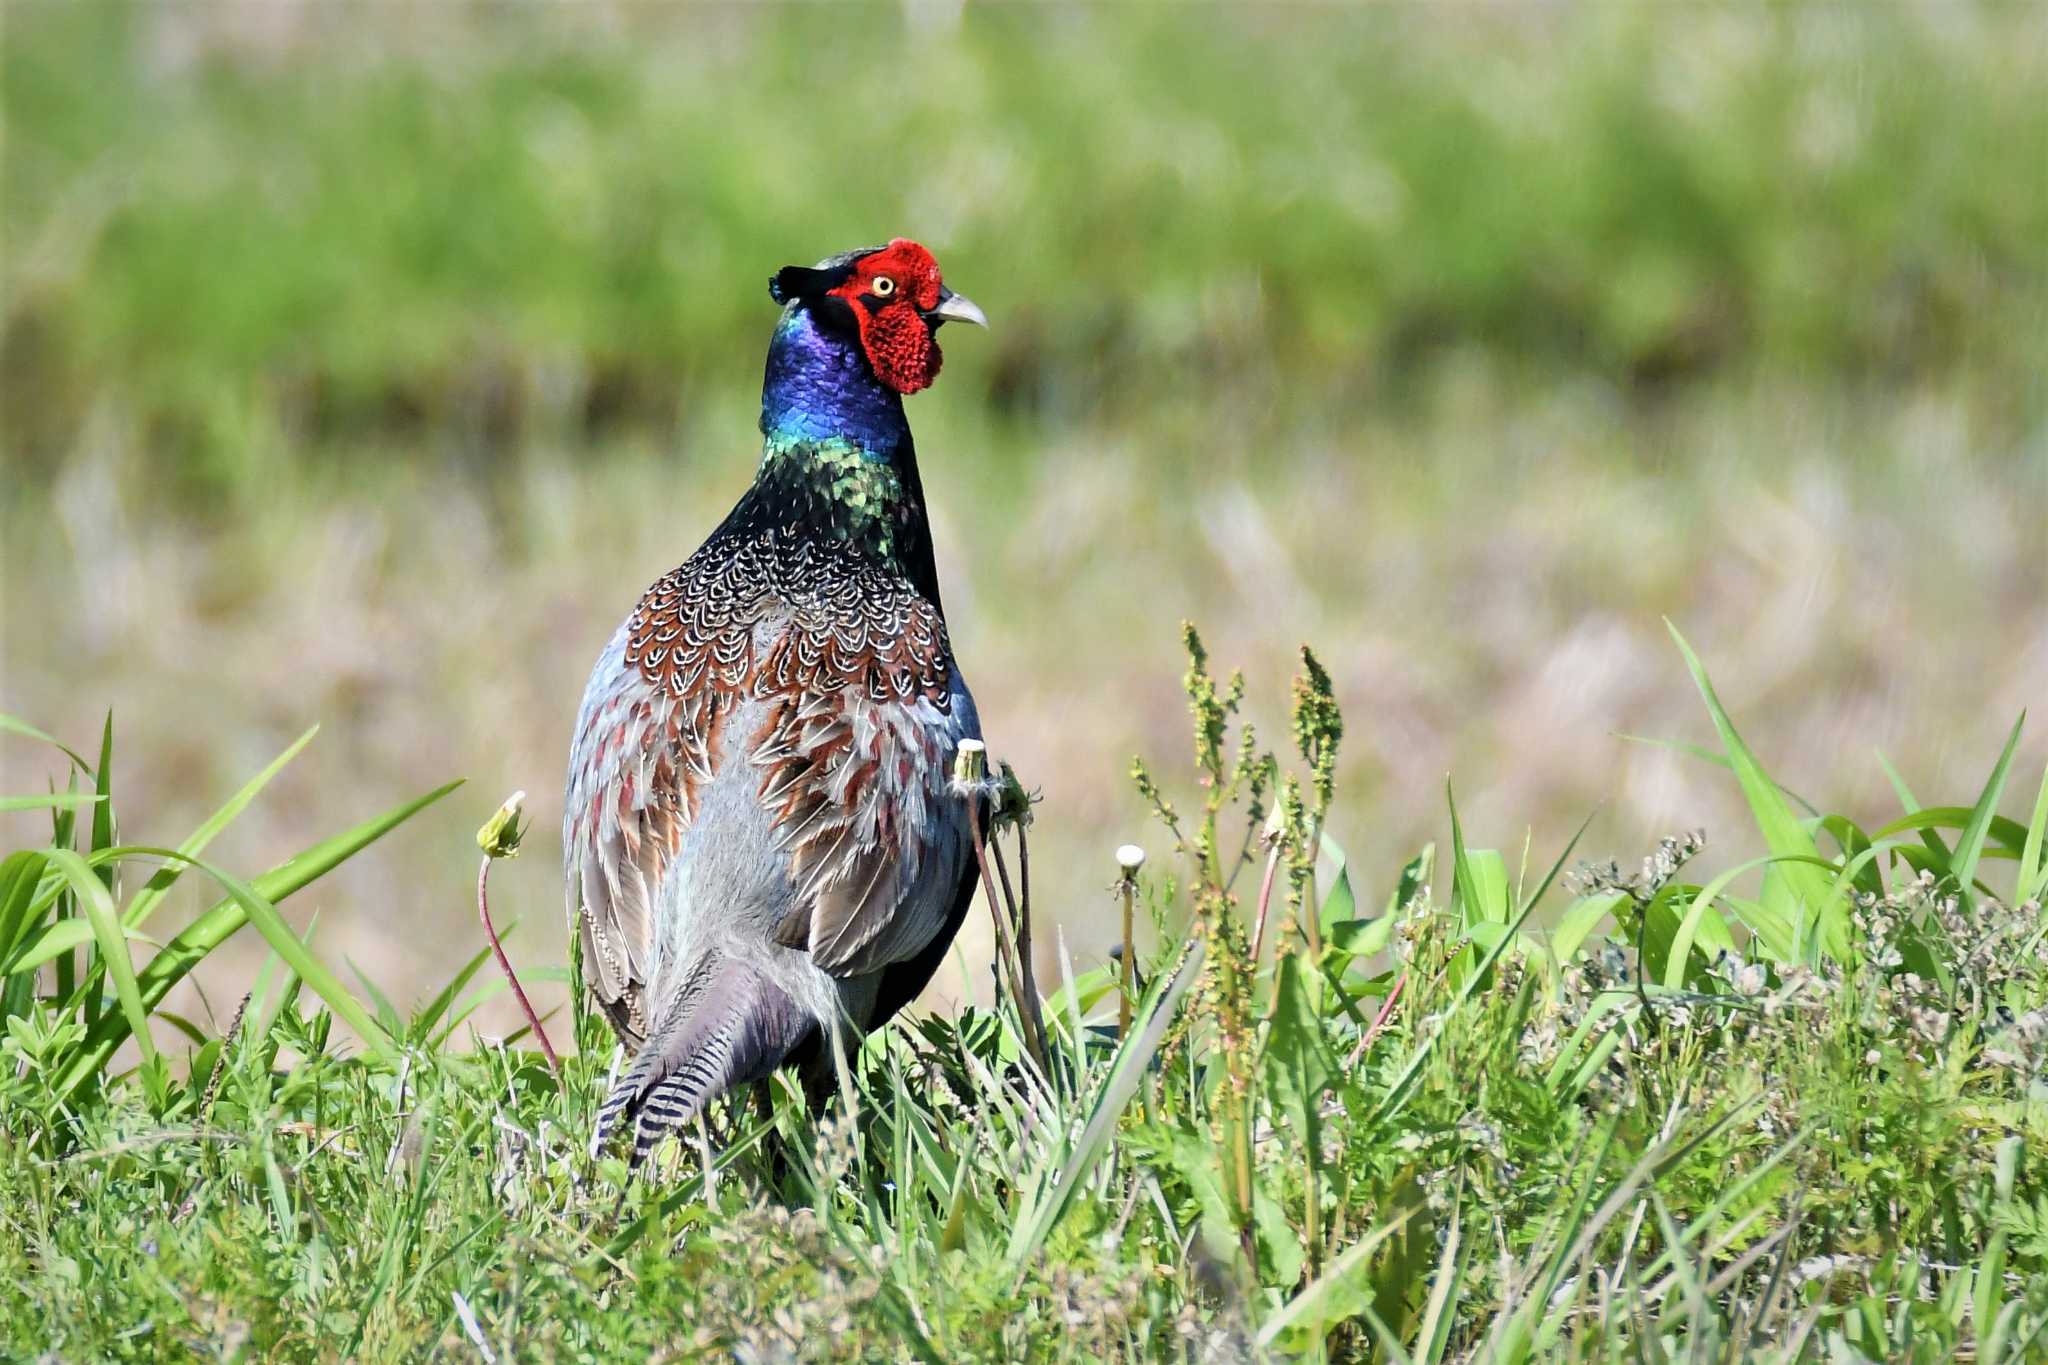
point(883, 286)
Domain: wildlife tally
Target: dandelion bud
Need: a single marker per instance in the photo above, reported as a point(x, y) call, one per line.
point(500, 836)
point(970, 768)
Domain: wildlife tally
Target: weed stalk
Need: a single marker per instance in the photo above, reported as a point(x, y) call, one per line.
point(499, 838)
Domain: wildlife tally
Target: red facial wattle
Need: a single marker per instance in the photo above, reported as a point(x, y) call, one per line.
point(889, 293)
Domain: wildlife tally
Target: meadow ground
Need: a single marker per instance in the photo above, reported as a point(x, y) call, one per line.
point(361, 373)
point(1789, 1115)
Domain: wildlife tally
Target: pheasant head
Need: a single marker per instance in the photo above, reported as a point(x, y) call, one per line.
point(890, 298)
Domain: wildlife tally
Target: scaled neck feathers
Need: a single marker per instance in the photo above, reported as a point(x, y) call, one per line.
point(837, 460)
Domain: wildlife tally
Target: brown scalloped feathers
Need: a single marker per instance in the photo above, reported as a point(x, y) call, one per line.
point(697, 646)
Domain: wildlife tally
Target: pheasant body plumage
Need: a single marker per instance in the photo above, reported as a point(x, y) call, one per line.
point(759, 840)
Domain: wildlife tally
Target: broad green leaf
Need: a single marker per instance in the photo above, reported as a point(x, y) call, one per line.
point(1408, 1256)
point(1778, 935)
point(1194, 1158)
point(1578, 921)
point(1338, 1294)
point(1360, 937)
point(2003, 831)
point(1415, 876)
point(1489, 903)
point(1689, 927)
point(1089, 989)
point(1297, 1066)
point(1341, 904)
point(1865, 875)
point(1280, 1252)
point(1479, 877)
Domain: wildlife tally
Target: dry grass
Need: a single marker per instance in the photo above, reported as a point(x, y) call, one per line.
point(1486, 581)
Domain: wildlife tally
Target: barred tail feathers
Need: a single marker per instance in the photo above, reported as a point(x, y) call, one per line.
point(726, 1024)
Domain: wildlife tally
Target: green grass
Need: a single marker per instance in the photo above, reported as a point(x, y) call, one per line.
point(493, 232)
point(1438, 1118)
point(365, 374)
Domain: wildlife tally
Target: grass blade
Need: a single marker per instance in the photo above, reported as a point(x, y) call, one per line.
point(1398, 1092)
point(428, 1019)
point(1970, 844)
point(20, 875)
point(1435, 1332)
point(98, 904)
point(1797, 888)
point(213, 928)
point(263, 914)
point(1910, 804)
point(151, 895)
point(16, 725)
point(1126, 1070)
point(50, 800)
point(58, 936)
point(103, 809)
point(1703, 753)
point(2031, 881)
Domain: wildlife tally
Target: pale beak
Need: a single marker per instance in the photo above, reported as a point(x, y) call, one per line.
point(955, 308)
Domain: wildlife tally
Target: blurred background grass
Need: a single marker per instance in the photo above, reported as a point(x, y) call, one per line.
point(364, 361)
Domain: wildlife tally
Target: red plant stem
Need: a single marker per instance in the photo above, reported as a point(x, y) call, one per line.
point(1265, 903)
point(1378, 1022)
point(483, 910)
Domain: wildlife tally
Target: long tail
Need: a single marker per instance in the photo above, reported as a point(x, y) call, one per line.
point(725, 1025)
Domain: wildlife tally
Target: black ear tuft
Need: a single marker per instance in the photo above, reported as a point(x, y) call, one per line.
point(802, 281)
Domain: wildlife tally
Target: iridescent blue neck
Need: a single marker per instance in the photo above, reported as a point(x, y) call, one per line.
point(837, 461)
point(819, 390)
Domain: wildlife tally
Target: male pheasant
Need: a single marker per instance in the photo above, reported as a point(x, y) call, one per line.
point(759, 840)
